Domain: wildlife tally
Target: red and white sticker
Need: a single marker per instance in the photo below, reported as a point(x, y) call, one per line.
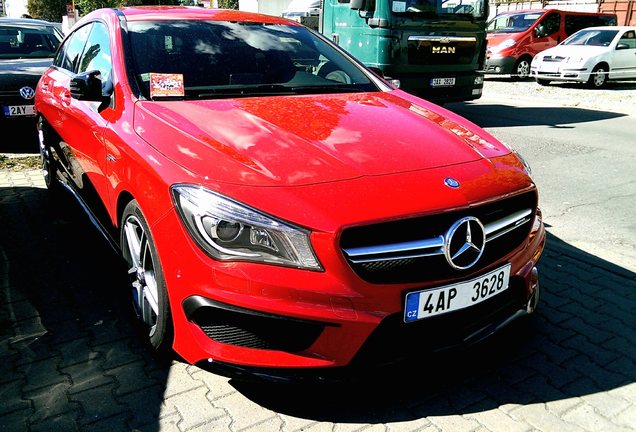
point(166, 85)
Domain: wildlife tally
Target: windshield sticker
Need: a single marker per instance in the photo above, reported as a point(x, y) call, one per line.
point(399, 6)
point(166, 85)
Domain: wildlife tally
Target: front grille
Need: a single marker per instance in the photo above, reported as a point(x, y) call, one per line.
point(451, 50)
point(251, 329)
point(553, 59)
point(412, 250)
point(394, 339)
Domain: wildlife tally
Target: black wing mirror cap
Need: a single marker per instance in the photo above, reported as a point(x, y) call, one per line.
point(87, 86)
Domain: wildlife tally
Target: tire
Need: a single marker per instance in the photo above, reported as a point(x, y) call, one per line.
point(543, 82)
point(47, 162)
point(149, 294)
point(521, 69)
point(598, 78)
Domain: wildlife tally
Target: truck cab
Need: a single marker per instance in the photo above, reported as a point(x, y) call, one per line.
point(435, 48)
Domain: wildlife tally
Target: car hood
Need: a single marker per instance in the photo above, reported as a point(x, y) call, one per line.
point(585, 51)
point(301, 140)
point(15, 74)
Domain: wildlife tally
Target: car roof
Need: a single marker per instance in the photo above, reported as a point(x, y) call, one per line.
point(160, 13)
point(25, 22)
point(610, 28)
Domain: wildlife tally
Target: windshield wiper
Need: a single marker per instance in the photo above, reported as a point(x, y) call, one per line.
point(246, 91)
point(330, 88)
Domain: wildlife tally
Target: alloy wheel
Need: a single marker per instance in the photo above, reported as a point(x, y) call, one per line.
point(141, 272)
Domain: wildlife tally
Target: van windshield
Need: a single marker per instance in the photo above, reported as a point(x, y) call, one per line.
point(512, 22)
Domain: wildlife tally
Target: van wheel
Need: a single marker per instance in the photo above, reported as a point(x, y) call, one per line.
point(543, 82)
point(521, 70)
point(598, 78)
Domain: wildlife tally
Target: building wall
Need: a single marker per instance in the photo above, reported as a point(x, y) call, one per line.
point(269, 7)
point(15, 8)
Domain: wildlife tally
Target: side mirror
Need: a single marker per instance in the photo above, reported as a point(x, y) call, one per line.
point(87, 86)
point(357, 4)
point(539, 31)
point(622, 46)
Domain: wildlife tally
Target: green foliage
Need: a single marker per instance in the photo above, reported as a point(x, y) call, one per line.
point(228, 4)
point(50, 10)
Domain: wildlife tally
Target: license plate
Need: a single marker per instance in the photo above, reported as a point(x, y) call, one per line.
point(442, 82)
point(449, 298)
point(549, 68)
point(19, 110)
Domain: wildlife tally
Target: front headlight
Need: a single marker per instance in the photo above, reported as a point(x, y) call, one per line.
point(231, 231)
point(525, 163)
point(574, 60)
point(506, 44)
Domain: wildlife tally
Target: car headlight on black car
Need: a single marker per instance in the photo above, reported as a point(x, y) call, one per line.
point(230, 231)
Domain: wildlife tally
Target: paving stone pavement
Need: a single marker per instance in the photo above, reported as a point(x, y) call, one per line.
point(70, 358)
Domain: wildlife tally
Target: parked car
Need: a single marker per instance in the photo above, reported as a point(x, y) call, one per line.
point(273, 219)
point(593, 56)
point(27, 47)
point(515, 37)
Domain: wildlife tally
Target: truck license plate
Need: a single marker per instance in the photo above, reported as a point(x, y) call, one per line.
point(442, 82)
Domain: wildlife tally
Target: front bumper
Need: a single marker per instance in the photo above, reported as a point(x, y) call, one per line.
point(261, 318)
point(563, 74)
point(499, 65)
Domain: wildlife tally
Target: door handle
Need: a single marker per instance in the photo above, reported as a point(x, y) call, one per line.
point(66, 97)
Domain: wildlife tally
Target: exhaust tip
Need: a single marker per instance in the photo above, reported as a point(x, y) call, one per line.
point(534, 285)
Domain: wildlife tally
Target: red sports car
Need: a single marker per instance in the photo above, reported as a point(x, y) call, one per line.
point(281, 207)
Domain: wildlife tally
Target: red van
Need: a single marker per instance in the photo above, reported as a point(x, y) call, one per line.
point(515, 37)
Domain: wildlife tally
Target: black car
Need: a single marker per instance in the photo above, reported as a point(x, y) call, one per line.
point(27, 47)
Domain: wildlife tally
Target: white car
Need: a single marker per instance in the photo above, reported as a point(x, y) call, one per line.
point(593, 55)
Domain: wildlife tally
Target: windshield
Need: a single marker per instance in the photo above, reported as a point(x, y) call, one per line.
point(215, 59)
point(512, 23)
point(34, 41)
point(431, 8)
point(591, 37)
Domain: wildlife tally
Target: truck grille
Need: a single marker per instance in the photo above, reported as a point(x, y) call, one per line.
point(441, 50)
point(412, 250)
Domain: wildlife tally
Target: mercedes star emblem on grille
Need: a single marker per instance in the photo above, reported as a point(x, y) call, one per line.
point(464, 243)
point(27, 92)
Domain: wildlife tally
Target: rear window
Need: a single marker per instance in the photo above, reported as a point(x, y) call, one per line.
point(28, 42)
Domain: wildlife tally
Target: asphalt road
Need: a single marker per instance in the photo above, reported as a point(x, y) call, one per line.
point(583, 161)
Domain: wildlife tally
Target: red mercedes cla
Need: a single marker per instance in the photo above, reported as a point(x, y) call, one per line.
point(280, 207)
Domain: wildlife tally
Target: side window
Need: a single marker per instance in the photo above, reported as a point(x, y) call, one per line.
point(97, 53)
point(551, 24)
point(629, 38)
point(73, 48)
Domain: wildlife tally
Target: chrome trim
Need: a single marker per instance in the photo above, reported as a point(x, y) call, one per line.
point(431, 246)
point(442, 39)
point(504, 225)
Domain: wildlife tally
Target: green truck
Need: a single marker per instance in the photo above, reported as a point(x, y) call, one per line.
point(435, 48)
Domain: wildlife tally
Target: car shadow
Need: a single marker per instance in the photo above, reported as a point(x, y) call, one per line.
point(575, 345)
point(71, 357)
point(501, 115)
